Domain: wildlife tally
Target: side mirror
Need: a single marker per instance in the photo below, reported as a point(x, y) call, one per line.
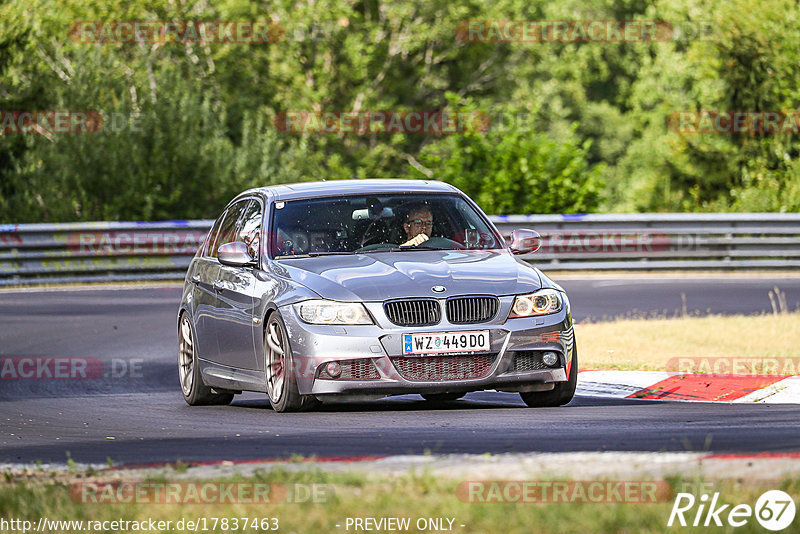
point(235, 254)
point(524, 241)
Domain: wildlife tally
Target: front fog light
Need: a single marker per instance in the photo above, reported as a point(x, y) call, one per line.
point(334, 369)
point(550, 359)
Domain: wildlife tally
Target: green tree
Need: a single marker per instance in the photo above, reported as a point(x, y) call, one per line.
point(513, 168)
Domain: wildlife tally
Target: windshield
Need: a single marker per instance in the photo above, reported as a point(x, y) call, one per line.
point(378, 223)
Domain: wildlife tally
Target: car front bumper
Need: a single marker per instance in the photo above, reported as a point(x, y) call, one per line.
point(380, 347)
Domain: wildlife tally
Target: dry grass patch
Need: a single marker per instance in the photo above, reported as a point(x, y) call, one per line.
point(647, 345)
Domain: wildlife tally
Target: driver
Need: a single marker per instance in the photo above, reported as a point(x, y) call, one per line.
point(418, 225)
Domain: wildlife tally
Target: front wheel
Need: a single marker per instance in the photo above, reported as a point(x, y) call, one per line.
point(195, 392)
point(281, 375)
point(561, 394)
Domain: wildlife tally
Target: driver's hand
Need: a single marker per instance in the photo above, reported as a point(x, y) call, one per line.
point(421, 238)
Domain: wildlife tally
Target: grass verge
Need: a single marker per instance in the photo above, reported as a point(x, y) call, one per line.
point(647, 345)
point(412, 496)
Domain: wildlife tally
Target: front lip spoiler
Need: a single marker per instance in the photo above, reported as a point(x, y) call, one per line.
point(390, 386)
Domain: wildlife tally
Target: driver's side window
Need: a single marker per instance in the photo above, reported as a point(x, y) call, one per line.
point(250, 228)
point(227, 230)
point(208, 244)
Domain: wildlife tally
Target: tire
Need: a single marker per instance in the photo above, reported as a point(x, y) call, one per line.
point(195, 392)
point(281, 385)
point(442, 397)
point(561, 394)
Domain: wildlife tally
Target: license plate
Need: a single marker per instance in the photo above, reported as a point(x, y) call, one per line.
point(446, 342)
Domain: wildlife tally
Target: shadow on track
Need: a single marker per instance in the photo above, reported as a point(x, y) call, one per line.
point(482, 400)
point(150, 377)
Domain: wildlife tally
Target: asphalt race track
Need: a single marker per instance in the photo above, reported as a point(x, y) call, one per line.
point(136, 414)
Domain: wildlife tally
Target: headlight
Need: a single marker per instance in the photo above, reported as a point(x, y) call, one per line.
point(542, 302)
point(330, 312)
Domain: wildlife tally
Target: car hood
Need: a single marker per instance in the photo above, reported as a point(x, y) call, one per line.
point(386, 275)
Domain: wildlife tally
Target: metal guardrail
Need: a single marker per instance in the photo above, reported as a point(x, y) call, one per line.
point(111, 251)
point(651, 241)
point(98, 251)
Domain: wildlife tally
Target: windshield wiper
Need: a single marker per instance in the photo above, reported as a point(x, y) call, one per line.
point(312, 255)
point(390, 249)
point(400, 249)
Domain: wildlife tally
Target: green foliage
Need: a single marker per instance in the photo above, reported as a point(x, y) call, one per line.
point(188, 126)
point(749, 62)
point(513, 168)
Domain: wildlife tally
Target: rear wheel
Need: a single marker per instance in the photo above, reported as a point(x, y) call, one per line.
point(442, 397)
point(195, 392)
point(281, 375)
point(561, 394)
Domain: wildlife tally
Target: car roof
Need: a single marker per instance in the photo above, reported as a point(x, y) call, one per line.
point(351, 187)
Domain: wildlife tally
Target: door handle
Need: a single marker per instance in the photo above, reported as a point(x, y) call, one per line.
point(219, 285)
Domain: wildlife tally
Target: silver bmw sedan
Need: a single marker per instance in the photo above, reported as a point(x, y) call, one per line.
point(365, 288)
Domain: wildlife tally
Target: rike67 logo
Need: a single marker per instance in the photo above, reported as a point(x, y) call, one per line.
point(774, 510)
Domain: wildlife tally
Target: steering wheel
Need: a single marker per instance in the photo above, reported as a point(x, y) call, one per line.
point(367, 238)
point(443, 242)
